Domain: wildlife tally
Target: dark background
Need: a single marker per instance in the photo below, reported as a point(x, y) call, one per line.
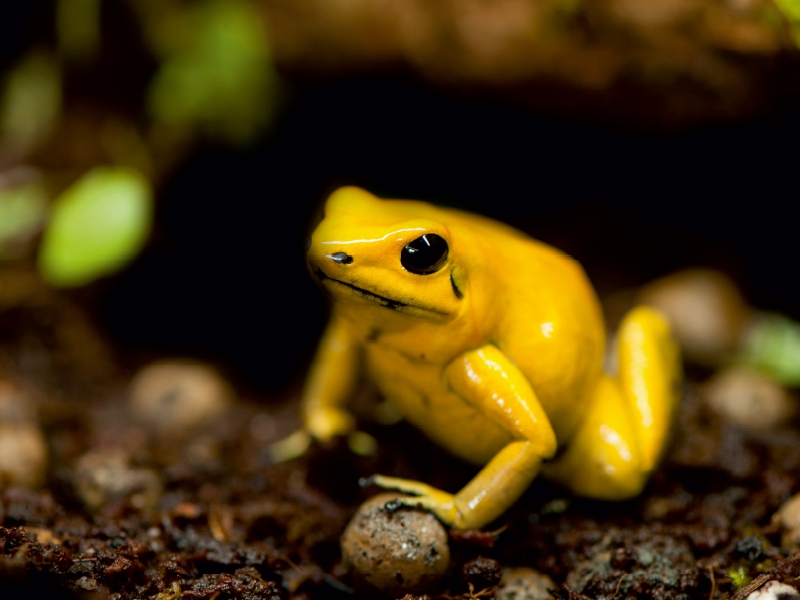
point(225, 278)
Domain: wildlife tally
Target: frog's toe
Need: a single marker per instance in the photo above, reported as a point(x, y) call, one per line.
point(417, 488)
point(327, 422)
point(441, 504)
point(362, 443)
point(289, 448)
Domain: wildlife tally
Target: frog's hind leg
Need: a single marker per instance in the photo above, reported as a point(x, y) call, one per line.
point(625, 430)
point(651, 377)
point(602, 458)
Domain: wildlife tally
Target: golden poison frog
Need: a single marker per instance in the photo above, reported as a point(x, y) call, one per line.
point(492, 344)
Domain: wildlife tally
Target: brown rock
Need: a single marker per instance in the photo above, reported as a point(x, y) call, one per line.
point(396, 551)
point(522, 583)
point(105, 476)
point(23, 455)
point(173, 398)
point(749, 399)
point(788, 516)
point(705, 309)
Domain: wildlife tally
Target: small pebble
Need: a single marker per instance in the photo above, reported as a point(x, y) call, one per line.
point(87, 583)
point(23, 455)
point(174, 398)
point(399, 552)
point(705, 309)
point(774, 590)
point(749, 399)
point(789, 517)
point(522, 583)
point(104, 476)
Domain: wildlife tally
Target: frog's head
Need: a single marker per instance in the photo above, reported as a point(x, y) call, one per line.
point(393, 254)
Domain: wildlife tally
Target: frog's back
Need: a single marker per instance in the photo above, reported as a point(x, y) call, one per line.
point(539, 308)
point(530, 300)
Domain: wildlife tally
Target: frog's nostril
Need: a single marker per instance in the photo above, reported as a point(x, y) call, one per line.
point(340, 257)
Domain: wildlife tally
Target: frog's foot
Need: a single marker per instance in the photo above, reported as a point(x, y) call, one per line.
point(327, 422)
point(297, 444)
point(441, 504)
point(602, 460)
point(321, 423)
point(289, 448)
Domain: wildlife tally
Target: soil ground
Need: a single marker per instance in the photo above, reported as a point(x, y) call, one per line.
point(204, 515)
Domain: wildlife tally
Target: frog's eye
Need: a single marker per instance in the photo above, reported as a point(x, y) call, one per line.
point(425, 255)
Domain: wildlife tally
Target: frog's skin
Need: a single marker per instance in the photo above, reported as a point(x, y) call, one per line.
point(496, 355)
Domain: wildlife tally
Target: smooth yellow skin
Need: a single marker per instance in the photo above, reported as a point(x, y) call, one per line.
point(496, 356)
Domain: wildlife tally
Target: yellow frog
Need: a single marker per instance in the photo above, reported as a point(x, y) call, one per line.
point(492, 344)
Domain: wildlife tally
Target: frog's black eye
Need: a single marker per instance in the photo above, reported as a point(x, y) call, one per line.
point(425, 255)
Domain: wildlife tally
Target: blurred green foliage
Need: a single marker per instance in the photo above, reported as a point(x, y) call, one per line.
point(22, 210)
point(96, 226)
point(773, 346)
point(214, 79)
point(31, 102)
point(216, 73)
point(78, 28)
point(791, 11)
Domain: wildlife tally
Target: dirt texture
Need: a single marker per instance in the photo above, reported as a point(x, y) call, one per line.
point(133, 508)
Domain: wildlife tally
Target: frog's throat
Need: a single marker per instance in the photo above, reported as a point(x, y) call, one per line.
point(377, 298)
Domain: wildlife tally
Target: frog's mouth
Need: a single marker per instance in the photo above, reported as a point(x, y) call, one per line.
point(382, 300)
point(372, 296)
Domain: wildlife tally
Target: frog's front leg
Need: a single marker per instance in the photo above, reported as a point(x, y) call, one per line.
point(486, 379)
point(329, 385)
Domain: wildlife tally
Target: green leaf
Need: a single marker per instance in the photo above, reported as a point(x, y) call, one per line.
point(217, 75)
point(773, 346)
point(97, 226)
point(790, 9)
